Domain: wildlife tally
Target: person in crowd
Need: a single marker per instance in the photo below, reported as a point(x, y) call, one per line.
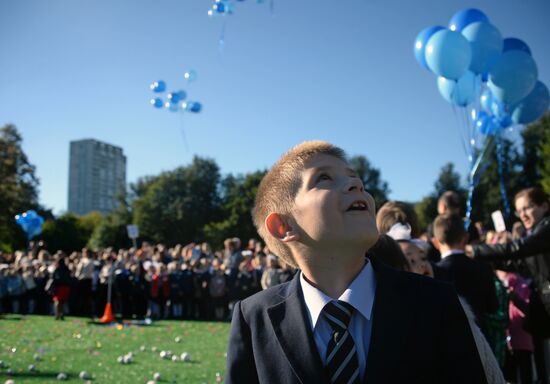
point(520, 356)
point(533, 209)
point(217, 290)
point(84, 274)
point(473, 281)
point(270, 277)
point(413, 249)
point(31, 291)
point(61, 286)
point(326, 323)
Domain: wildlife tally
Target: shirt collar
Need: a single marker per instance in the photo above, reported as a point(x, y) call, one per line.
point(452, 252)
point(360, 294)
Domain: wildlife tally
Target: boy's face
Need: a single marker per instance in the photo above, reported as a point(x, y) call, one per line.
point(332, 207)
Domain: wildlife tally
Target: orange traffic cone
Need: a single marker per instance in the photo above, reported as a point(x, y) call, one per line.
point(107, 315)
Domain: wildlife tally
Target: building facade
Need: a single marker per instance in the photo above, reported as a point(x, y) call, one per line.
point(97, 175)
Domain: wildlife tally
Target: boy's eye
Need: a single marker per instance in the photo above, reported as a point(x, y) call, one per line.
point(323, 176)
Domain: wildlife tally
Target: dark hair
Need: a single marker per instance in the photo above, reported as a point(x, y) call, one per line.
point(449, 229)
point(390, 253)
point(397, 212)
point(451, 200)
point(535, 194)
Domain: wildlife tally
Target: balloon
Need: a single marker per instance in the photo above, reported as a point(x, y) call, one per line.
point(513, 76)
point(533, 106)
point(505, 121)
point(486, 100)
point(157, 102)
point(158, 86)
point(193, 106)
point(514, 44)
point(463, 18)
point(182, 95)
point(448, 54)
point(421, 41)
point(498, 109)
point(172, 107)
point(486, 124)
point(30, 222)
point(174, 97)
point(190, 75)
point(486, 43)
point(460, 92)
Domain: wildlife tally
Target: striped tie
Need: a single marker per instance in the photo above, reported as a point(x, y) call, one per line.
point(342, 363)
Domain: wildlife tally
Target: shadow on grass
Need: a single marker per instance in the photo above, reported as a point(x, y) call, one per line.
point(12, 317)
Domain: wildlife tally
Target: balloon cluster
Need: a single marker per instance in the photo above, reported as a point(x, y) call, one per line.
point(222, 7)
point(174, 101)
point(476, 67)
point(31, 223)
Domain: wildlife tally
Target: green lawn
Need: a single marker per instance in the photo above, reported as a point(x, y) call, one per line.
point(76, 345)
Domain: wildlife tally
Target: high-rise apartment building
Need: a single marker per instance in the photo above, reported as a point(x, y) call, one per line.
point(97, 173)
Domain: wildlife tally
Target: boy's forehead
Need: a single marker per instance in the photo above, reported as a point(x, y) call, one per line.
point(324, 162)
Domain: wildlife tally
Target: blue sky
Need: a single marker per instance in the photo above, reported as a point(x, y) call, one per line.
point(342, 71)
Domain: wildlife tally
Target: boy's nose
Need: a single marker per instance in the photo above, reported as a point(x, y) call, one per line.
point(354, 183)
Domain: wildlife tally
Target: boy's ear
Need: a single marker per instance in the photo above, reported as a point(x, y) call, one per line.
point(279, 228)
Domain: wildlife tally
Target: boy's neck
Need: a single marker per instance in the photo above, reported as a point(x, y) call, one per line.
point(332, 274)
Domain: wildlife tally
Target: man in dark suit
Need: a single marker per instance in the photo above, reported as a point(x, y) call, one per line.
point(343, 318)
point(473, 280)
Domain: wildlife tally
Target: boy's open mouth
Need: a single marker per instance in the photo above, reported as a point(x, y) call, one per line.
point(358, 205)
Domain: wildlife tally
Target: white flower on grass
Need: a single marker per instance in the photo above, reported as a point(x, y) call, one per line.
point(142, 348)
point(151, 382)
point(127, 359)
point(61, 376)
point(2, 364)
point(163, 354)
point(9, 371)
point(156, 376)
point(153, 349)
point(32, 368)
point(84, 375)
point(177, 339)
point(37, 357)
point(174, 358)
point(185, 357)
point(120, 360)
point(9, 381)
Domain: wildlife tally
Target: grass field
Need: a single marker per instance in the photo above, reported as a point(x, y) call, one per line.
point(76, 345)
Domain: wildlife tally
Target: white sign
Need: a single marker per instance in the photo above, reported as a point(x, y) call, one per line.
point(133, 231)
point(498, 221)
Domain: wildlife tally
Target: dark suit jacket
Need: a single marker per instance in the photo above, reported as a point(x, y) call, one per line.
point(474, 281)
point(419, 335)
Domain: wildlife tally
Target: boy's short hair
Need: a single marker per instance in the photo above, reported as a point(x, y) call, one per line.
point(278, 189)
point(394, 212)
point(449, 229)
point(451, 200)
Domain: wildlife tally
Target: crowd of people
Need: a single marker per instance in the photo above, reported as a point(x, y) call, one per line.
point(502, 279)
point(156, 282)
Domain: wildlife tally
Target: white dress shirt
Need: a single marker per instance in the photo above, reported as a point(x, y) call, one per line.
point(359, 294)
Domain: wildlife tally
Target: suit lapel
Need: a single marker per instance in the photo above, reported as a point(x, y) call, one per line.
point(294, 334)
point(387, 327)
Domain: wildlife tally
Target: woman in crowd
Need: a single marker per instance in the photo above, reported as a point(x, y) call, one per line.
point(61, 286)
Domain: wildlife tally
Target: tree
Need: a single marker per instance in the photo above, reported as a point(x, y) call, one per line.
point(487, 196)
point(545, 155)
point(238, 194)
point(174, 206)
point(111, 231)
point(371, 178)
point(532, 161)
point(447, 180)
point(18, 187)
point(69, 232)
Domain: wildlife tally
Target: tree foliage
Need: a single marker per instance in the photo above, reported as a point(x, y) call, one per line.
point(238, 194)
point(18, 187)
point(174, 206)
point(371, 178)
point(69, 232)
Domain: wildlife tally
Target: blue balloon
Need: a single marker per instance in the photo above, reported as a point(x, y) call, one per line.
point(498, 109)
point(513, 76)
point(172, 107)
point(448, 54)
point(158, 86)
point(194, 107)
point(482, 121)
point(174, 97)
point(463, 18)
point(533, 106)
point(219, 7)
point(157, 102)
point(486, 100)
point(505, 121)
point(31, 223)
point(514, 44)
point(421, 41)
point(190, 75)
point(182, 95)
point(460, 92)
point(486, 43)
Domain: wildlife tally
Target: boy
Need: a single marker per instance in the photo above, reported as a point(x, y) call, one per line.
point(344, 318)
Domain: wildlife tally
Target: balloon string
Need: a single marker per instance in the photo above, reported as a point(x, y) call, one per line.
point(183, 132)
point(500, 161)
point(221, 42)
point(272, 7)
point(461, 138)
